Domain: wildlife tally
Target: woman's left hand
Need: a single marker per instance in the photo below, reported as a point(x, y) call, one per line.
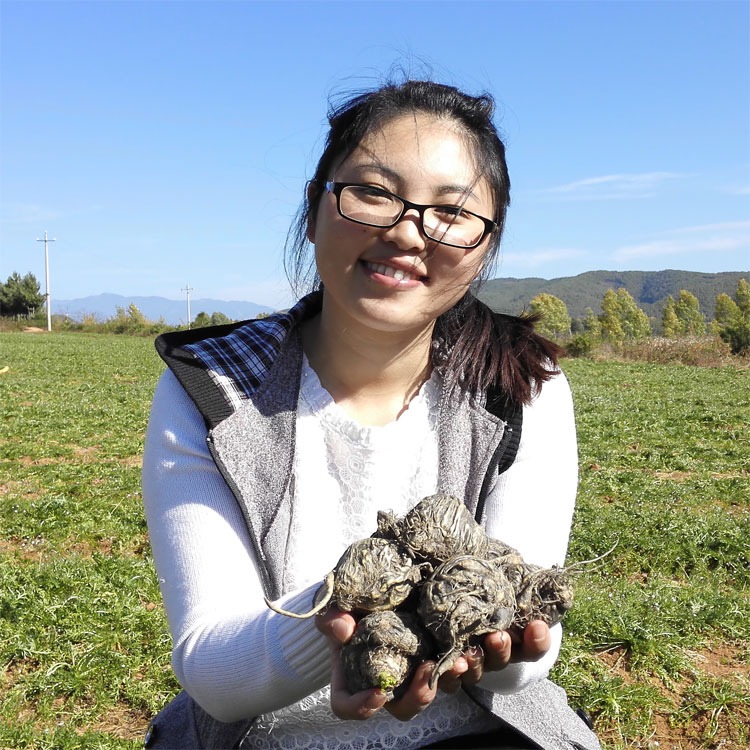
point(497, 651)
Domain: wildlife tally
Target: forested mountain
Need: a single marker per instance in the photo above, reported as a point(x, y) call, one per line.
point(648, 288)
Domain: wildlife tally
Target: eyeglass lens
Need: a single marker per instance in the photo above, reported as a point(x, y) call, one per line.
point(446, 224)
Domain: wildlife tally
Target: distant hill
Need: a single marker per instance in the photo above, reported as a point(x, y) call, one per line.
point(174, 312)
point(648, 288)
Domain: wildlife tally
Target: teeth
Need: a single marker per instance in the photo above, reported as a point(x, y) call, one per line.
point(395, 273)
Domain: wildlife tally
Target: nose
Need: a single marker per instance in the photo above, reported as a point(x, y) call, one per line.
point(407, 232)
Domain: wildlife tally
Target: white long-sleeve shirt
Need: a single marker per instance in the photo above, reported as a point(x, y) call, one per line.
point(235, 657)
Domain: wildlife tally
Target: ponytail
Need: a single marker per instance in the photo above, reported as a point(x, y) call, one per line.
point(477, 349)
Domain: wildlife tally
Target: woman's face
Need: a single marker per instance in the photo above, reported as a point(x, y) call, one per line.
point(426, 161)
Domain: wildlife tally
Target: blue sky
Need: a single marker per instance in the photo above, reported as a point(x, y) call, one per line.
point(166, 144)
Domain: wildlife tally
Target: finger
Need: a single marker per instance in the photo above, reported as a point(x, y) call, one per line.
point(346, 705)
point(475, 661)
point(536, 640)
point(357, 706)
point(337, 625)
point(417, 696)
point(450, 681)
point(497, 650)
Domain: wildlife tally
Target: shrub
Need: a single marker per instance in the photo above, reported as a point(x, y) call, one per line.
point(703, 351)
point(733, 318)
point(580, 345)
point(737, 336)
point(132, 321)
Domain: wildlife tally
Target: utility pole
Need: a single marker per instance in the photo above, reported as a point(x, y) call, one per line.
point(46, 279)
point(187, 291)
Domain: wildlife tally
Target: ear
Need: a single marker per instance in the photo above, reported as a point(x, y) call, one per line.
point(312, 195)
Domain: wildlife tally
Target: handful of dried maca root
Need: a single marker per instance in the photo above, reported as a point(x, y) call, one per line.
point(427, 586)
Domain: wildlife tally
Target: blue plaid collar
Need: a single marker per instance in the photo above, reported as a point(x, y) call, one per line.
point(239, 362)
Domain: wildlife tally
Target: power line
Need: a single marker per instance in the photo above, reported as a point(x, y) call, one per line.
point(187, 290)
point(46, 279)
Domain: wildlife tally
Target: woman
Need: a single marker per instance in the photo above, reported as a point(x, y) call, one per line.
point(273, 444)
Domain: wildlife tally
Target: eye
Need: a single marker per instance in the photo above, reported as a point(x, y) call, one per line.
point(451, 214)
point(370, 194)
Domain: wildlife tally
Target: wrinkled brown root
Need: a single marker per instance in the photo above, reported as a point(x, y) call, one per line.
point(544, 594)
point(444, 663)
point(383, 652)
point(436, 529)
point(450, 582)
point(373, 574)
point(465, 597)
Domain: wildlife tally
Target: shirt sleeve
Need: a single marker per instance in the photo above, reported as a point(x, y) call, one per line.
point(234, 656)
point(531, 506)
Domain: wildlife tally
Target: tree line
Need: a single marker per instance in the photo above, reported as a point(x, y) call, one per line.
point(21, 299)
point(621, 320)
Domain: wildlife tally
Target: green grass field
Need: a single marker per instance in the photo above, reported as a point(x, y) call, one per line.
point(657, 642)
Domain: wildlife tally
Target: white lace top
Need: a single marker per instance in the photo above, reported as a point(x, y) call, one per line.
point(345, 472)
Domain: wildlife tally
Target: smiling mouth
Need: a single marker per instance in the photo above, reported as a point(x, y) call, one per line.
point(396, 273)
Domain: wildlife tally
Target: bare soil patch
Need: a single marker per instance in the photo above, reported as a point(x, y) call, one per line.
point(123, 722)
point(27, 549)
point(674, 476)
point(706, 729)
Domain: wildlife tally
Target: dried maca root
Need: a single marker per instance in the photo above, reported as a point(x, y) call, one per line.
point(508, 559)
point(384, 651)
point(438, 567)
point(436, 529)
point(465, 597)
point(372, 575)
point(543, 594)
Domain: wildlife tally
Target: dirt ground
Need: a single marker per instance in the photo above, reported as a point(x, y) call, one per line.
point(711, 728)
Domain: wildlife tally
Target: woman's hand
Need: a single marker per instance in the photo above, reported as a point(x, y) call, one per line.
point(529, 644)
point(339, 627)
point(497, 651)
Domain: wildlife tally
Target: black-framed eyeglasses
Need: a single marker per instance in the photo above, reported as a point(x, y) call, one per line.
point(376, 207)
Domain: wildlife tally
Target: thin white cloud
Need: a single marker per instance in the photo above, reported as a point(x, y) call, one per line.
point(726, 237)
point(542, 257)
point(28, 213)
point(614, 186)
point(722, 226)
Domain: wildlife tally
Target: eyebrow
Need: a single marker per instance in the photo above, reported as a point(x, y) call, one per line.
point(451, 189)
point(460, 189)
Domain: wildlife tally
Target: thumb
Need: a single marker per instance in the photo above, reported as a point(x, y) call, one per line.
point(336, 625)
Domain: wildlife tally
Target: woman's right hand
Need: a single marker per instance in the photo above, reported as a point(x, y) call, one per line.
point(338, 627)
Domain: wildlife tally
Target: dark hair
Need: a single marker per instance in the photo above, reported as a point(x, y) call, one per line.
point(478, 349)
point(470, 349)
